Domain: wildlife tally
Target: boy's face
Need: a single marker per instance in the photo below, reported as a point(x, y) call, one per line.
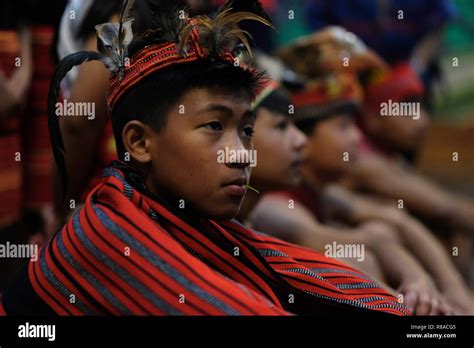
point(279, 145)
point(402, 133)
point(184, 154)
point(332, 146)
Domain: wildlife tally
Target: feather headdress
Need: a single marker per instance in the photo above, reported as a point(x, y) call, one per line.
point(330, 51)
point(171, 37)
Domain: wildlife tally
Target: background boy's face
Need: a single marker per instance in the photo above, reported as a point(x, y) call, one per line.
point(279, 145)
point(184, 154)
point(401, 133)
point(329, 143)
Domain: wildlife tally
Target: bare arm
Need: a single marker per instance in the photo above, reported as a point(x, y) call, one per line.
point(421, 196)
point(297, 225)
point(81, 135)
point(414, 236)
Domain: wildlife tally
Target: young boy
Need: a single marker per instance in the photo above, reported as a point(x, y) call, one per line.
point(387, 133)
point(351, 207)
point(279, 144)
point(157, 236)
point(333, 134)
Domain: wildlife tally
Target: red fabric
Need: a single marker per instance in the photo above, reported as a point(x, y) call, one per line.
point(326, 90)
point(2, 310)
point(170, 256)
point(10, 144)
point(38, 157)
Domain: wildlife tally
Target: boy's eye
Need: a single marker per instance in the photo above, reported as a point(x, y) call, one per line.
point(215, 126)
point(249, 131)
point(282, 125)
point(345, 123)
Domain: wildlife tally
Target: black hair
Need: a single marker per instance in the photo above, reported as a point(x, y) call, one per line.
point(152, 99)
point(309, 117)
point(277, 101)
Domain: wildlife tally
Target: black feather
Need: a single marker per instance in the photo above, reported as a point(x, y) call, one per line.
point(161, 22)
point(252, 6)
point(55, 136)
point(165, 13)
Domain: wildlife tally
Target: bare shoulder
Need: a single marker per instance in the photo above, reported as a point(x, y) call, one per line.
point(281, 217)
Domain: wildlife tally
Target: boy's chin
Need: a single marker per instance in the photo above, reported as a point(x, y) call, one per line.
point(224, 216)
point(222, 212)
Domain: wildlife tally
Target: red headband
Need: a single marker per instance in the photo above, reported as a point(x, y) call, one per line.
point(151, 59)
point(338, 87)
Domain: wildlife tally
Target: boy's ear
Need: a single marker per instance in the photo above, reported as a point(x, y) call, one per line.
point(136, 138)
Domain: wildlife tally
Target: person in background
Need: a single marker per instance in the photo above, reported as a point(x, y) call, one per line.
point(303, 215)
point(26, 166)
point(88, 141)
point(37, 189)
point(382, 170)
point(15, 77)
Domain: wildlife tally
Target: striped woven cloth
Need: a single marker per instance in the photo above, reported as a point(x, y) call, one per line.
point(127, 252)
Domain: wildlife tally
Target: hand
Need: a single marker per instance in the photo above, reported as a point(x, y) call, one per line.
point(423, 298)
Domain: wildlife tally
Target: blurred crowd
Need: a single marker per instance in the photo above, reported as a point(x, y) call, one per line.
point(344, 70)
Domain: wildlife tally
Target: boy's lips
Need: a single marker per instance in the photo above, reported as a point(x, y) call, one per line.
point(297, 163)
point(237, 186)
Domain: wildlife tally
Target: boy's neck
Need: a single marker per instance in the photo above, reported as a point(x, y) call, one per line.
point(315, 181)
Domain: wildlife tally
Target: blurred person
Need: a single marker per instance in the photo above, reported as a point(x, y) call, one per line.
point(195, 251)
point(332, 50)
point(37, 191)
point(279, 145)
point(381, 169)
point(25, 71)
point(88, 141)
point(301, 215)
point(314, 54)
point(15, 77)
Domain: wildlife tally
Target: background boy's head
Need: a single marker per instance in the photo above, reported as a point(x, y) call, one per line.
point(278, 142)
point(398, 88)
point(325, 112)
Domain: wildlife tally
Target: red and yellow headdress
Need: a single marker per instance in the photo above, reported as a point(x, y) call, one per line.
point(326, 97)
point(172, 38)
point(396, 84)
